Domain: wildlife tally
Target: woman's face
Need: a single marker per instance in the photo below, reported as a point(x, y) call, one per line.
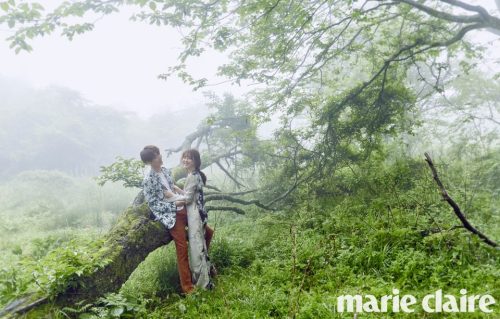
point(157, 162)
point(188, 163)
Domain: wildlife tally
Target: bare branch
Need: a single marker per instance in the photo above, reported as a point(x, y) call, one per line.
point(232, 194)
point(189, 140)
point(482, 11)
point(225, 208)
point(229, 174)
point(237, 201)
point(454, 205)
point(442, 15)
point(483, 17)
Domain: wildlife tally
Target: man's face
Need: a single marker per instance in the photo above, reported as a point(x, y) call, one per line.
point(157, 162)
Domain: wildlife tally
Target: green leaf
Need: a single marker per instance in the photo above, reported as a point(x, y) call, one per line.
point(4, 6)
point(152, 5)
point(116, 312)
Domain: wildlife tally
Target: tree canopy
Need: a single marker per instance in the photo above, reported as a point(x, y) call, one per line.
point(353, 70)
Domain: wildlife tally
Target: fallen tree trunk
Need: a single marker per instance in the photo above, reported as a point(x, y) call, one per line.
point(127, 244)
point(134, 235)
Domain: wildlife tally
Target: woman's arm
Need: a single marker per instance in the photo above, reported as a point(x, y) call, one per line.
point(178, 190)
point(171, 197)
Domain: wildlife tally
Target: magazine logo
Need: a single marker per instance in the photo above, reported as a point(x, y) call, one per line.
point(435, 302)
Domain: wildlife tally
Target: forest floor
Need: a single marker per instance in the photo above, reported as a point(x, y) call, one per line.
point(389, 230)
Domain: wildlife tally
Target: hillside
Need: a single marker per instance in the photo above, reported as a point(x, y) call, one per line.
point(387, 231)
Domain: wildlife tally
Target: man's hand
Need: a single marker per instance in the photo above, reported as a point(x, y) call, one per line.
point(168, 194)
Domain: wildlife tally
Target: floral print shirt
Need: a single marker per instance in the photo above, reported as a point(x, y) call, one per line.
point(153, 188)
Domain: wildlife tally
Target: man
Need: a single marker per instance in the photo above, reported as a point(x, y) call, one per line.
point(158, 190)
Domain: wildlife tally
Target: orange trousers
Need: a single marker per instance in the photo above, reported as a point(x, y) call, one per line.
point(179, 235)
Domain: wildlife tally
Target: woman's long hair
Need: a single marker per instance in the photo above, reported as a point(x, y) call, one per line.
point(194, 155)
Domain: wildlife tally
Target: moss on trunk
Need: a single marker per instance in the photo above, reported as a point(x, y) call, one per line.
point(127, 244)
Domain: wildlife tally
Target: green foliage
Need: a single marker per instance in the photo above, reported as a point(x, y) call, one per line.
point(366, 231)
point(156, 276)
point(113, 305)
point(53, 273)
point(43, 246)
point(41, 209)
point(358, 218)
point(356, 123)
point(47, 217)
point(346, 130)
point(231, 253)
point(377, 225)
point(129, 171)
point(13, 283)
point(294, 49)
point(61, 267)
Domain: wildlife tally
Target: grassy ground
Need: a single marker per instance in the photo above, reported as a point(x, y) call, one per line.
point(379, 228)
point(389, 230)
point(292, 268)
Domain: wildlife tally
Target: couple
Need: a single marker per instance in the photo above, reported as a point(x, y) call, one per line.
point(177, 208)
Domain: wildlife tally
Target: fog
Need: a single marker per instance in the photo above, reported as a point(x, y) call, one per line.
point(115, 65)
point(307, 181)
point(103, 73)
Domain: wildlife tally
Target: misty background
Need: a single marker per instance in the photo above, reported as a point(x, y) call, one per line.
point(70, 107)
point(76, 105)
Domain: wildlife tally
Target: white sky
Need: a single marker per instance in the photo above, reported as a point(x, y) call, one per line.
point(117, 64)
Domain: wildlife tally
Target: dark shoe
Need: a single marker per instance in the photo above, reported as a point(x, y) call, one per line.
point(213, 271)
point(210, 286)
point(185, 293)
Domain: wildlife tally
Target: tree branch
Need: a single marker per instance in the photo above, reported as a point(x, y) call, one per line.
point(232, 199)
point(454, 205)
point(231, 194)
point(482, 11)
point(482, 17)
point(229, 174)
point(188, 141)
point(442, 15)
point(225, 208)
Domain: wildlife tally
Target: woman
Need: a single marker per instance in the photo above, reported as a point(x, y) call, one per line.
point(199, 261)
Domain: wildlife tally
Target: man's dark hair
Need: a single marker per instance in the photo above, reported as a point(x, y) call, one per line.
point(153, 147)
point(149, 153)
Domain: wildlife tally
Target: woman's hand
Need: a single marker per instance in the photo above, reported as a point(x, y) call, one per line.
point(180, 203)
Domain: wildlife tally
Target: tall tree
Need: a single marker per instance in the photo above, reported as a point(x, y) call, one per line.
point(317, 59)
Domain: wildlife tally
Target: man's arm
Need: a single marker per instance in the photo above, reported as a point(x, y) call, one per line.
point(149, 190)
point(172, 197)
